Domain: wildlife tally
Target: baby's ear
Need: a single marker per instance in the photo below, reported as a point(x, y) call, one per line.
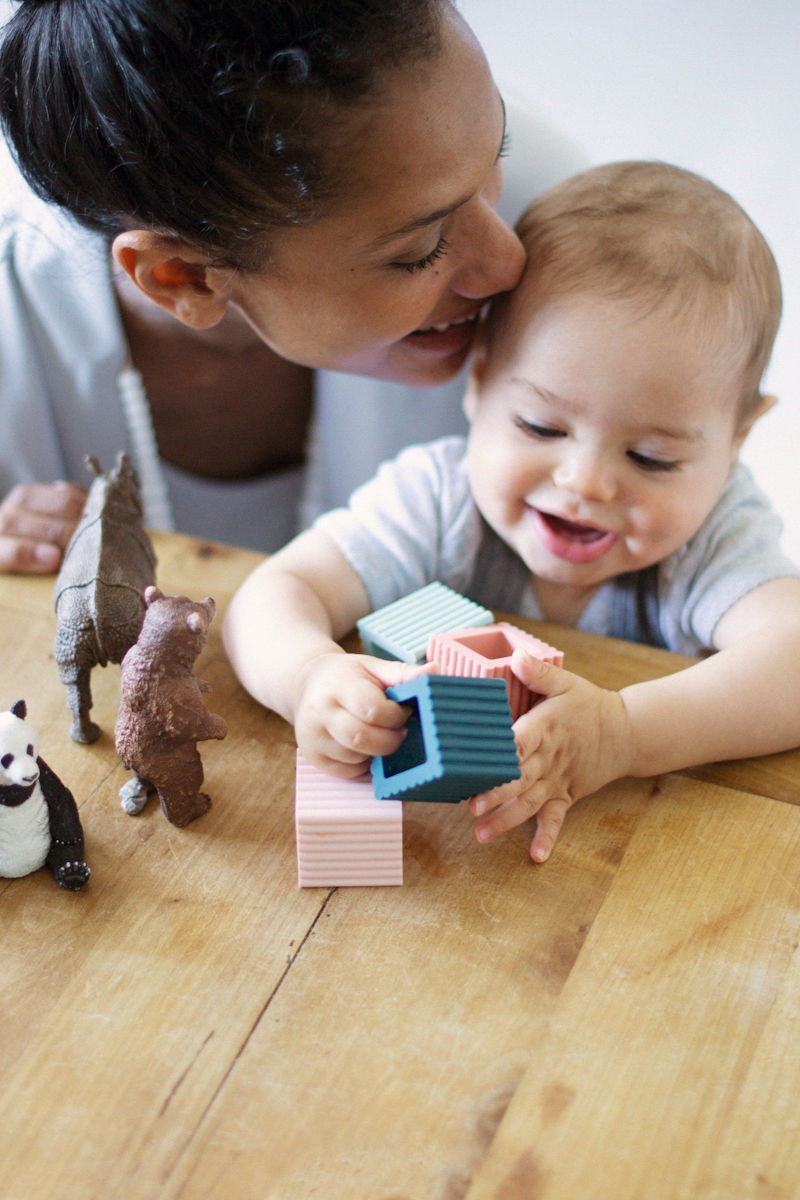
point(765, 403)
point(477, 371)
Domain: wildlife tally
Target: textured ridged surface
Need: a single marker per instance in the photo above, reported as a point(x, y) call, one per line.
point(401, 630)
point(458, 743)
point(345, 836)
point(486, 653)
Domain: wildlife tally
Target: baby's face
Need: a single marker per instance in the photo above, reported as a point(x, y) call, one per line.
point(600, 440)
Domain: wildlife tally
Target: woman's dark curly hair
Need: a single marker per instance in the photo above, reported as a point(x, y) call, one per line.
point(205, 119)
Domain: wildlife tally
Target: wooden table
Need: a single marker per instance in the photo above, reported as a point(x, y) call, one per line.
point(619, 1024)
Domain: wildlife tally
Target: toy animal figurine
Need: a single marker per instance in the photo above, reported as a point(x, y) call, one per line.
point(39, 822)
point(98, 598)
point(162, 714)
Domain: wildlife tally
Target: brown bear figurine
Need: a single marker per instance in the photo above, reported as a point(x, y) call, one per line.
point(162, 714)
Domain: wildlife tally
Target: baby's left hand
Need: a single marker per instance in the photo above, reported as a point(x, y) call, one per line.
point(570, 744)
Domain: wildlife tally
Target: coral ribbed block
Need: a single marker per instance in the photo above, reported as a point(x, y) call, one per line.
point(486, 653)
point(345, 837)
point(401, 630)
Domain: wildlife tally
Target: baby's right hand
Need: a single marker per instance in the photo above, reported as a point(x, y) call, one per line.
point(343, 717)
point(36, 522)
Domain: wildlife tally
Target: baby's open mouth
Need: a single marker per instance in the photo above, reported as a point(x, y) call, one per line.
point(572, 529)
point(571, 540)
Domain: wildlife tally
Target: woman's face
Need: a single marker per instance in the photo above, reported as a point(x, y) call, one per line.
point(390, 280)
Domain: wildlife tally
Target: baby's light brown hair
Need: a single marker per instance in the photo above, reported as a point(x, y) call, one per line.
point(657, 235)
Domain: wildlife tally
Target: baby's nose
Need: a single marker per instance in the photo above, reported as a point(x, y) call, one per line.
point(587, 474)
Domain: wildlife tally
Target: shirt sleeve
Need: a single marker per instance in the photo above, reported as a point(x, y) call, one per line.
point(414, 522)
point(735, 551)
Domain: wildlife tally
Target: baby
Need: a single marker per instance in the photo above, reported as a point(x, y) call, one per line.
point(599, 487)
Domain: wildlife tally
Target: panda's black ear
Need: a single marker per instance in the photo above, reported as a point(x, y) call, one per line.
point(20, 709)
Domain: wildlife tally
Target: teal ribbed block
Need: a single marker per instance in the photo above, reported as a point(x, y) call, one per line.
point(458, 740)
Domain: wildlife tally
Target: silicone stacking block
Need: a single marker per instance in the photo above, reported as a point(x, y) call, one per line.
point(401, 630)
point(345, 837)
point(458, 740)
point(486, 652)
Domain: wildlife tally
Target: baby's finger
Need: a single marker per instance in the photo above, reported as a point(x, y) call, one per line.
point(366, 702)
point(494, 798)
point(516, 810)
point(532, 766)
point(360, 738)
point(548, 826)
point(24, 556)
point(338, 768)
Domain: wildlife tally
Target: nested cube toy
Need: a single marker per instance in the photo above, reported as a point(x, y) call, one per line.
point(486, 652)
point(401, 630)
point(458, 740)
point(345, 836)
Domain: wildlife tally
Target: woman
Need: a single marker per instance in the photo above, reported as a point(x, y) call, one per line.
point(299, 185)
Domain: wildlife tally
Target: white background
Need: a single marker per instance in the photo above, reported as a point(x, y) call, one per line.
point(712, 85)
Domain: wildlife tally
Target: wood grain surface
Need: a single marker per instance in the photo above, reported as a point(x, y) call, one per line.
point(618, 1022)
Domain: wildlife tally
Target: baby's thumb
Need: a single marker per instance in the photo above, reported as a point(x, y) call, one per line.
point(388, 672)
point(541, 677)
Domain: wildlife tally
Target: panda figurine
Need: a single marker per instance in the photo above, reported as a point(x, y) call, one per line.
point(39, 822)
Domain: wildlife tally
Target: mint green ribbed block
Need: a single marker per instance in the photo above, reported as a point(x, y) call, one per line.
point(401, 630)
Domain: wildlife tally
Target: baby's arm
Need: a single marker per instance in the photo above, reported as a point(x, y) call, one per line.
point(36, 522)
point(281, 632)
point(740, 702)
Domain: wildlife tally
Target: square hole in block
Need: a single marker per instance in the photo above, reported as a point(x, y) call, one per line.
point(494, 643)
point(412, 752)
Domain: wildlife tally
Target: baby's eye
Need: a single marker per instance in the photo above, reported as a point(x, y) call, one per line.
point(538, 431)
point(30, 751)
point(7, 760)
point(420, 264)
point(647, 463)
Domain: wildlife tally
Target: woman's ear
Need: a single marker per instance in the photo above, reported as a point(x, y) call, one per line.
point(174, 275)
point(765, 403)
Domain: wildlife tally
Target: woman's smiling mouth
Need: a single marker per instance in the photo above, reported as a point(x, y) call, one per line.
point(571, 540)
point(447, 337)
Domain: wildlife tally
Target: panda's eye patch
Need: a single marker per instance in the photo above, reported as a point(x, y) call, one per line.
point(30, 751)
point(7, 760)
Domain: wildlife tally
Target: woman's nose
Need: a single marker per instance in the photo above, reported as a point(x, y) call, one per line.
point(587, 474)
point(495, 258)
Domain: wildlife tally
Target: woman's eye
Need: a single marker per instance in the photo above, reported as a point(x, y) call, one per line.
point(421, 263)
point(651, 464)
point(538, 431)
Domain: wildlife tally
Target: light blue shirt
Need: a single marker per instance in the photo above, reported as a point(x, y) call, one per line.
point(416, 522)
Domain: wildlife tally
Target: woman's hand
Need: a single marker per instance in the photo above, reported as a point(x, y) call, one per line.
point(570, 744)
point(344, 717)
point(36, 522)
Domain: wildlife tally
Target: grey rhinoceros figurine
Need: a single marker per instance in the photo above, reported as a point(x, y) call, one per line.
point(99, 590)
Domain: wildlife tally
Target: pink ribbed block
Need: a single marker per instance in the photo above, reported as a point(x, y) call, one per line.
point(486, 651)
point(345, 837)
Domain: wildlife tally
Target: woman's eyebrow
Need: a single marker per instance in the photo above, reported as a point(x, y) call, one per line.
point(440, 213)
point(421, 222)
